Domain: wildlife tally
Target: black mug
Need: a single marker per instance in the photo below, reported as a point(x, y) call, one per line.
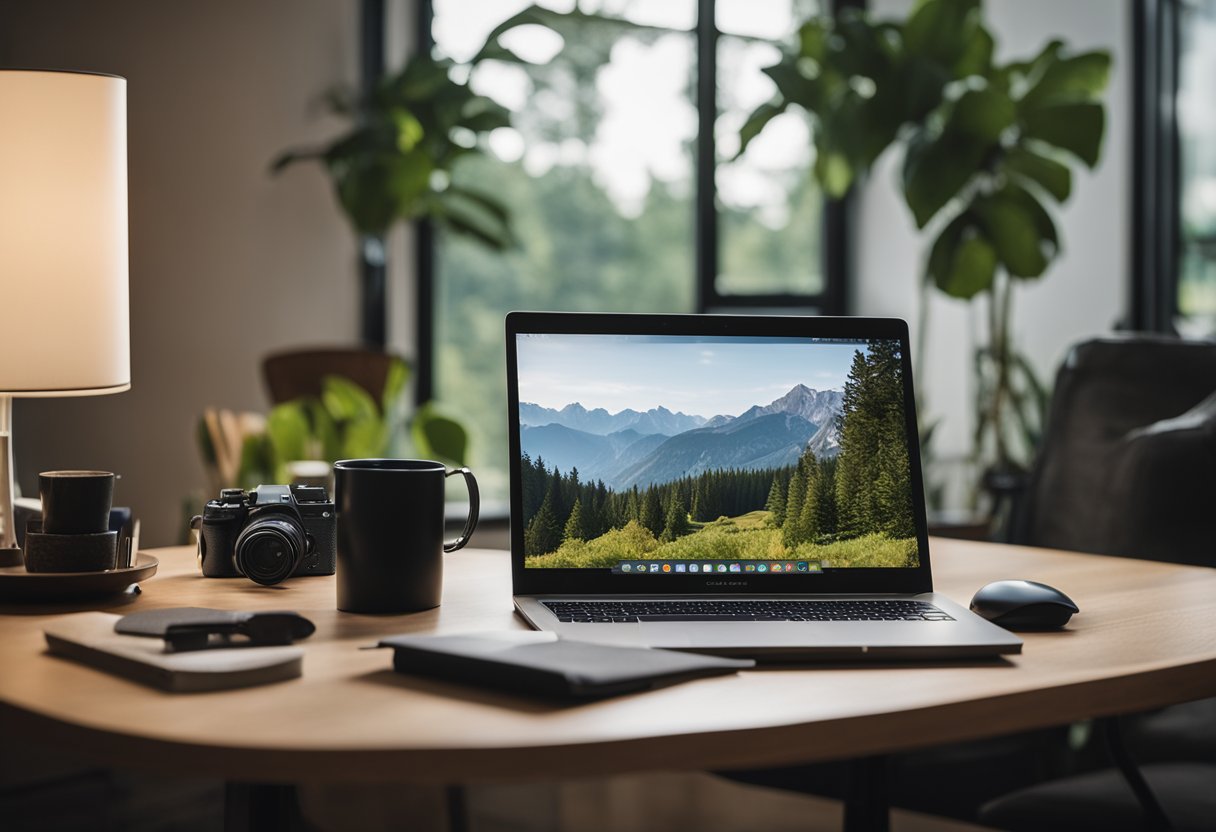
point(390, 532)
point(76, 502)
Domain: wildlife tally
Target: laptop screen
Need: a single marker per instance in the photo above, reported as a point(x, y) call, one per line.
point(654, 455)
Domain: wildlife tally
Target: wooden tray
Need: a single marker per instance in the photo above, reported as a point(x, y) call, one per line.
point(17, 585)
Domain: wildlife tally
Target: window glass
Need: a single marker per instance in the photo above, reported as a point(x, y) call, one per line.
point(598, 173)
point(768, 205)
point(1197, 143)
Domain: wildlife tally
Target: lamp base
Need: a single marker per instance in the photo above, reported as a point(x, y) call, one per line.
point(11, 557)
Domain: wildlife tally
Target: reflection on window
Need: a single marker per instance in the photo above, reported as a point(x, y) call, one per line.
point(1197, 139)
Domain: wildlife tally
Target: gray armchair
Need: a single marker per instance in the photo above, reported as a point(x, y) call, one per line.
point(1128, 467)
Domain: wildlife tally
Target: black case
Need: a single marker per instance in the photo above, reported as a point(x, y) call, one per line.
point(542, 665)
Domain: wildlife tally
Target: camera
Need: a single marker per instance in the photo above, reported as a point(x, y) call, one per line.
point(268, 534)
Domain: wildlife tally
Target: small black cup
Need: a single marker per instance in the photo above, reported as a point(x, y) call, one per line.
point(76, 502)
point(390, 533)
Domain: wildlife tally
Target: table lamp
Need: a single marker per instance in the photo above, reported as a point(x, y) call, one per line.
point(63, 248)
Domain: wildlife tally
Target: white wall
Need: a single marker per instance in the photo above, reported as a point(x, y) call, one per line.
point(227, 263)
point(1085, 291)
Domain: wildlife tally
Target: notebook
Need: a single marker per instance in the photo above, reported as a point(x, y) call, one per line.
point(739, 485)
point(541, 664)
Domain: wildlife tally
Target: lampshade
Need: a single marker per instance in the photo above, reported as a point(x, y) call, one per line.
point(63, 234)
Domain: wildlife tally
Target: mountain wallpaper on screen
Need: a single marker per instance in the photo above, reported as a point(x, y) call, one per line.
point(814, 474)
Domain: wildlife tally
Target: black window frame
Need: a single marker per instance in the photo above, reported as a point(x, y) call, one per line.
point(1156, 172)
point(834, 230)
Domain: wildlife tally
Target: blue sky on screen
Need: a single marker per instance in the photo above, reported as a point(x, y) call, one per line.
point(701, 376)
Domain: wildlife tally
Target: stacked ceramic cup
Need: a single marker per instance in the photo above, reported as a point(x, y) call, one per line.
point(74, 532)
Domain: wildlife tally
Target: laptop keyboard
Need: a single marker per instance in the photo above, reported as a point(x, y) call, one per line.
point(608, 612)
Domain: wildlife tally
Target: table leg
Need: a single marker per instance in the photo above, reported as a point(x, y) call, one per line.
point(261, 807)
point(458, 808)
point(866, 807)
point(1155, 819)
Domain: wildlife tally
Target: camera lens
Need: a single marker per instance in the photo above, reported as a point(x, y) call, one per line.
point(268, 549)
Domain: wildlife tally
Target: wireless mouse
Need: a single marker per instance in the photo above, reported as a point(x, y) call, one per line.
point(1023, 605)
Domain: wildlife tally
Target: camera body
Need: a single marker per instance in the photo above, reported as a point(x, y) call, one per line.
point(268, 534)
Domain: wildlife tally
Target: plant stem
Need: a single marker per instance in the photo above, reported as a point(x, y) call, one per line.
point(1000, 311)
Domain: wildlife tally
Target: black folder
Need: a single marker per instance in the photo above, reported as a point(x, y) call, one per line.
point(543, 665)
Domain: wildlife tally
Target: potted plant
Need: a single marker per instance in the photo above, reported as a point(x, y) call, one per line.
point(987, 147)
point(344, 422)
point(395, 164)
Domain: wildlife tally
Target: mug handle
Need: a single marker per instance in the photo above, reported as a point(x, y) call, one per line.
point(474, 507)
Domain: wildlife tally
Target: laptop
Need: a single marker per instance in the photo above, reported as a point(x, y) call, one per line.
point(738, 485)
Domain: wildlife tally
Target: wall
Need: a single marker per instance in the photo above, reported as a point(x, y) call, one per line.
point(1084, 293)
point(227, 263)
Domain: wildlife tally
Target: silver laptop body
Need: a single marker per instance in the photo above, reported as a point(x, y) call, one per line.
point(738, 485)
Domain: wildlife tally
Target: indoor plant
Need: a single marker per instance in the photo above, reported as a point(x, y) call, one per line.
point(344, 422)
point(395, 163)
point(986, 146)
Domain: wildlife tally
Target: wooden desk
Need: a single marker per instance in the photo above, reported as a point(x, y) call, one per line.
point(1143, 639)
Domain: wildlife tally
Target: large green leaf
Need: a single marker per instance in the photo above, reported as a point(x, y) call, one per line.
point(1052, 176)
point(1019, 76)
point(325, 431)
point(476, 216)
point(939, 29)
point(976, 57)
point(983, 114)
point(363, 192)
point(288, 430)
point(1076, 127)
point(936, 170)
point(1081, 77)
point(813, 38)
point(796, 86)
point(756, 122)
point(346, 401)
point(409, 129)
point(364, 439)
point(409, 182)
point(1046, 226)
point(1017, 232)
point(856, 48)
point(257, 462)
point(571, 26)
point(913, 90)
point(481, 115)
point(439, 436)
point(962, 263)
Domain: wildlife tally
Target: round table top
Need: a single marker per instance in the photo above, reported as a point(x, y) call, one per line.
point(1143, 639)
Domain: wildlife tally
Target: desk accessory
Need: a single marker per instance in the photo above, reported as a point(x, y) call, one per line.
point(542, 664)
point(89, 638)
point(390, 532)
point(22, 587)
point(63, 248)
point(74, 534)
point(199, 628)
point(268, 534)
point(76, 502)
point(1023, 605)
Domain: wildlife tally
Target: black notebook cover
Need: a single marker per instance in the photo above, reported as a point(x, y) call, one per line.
point(543, 665)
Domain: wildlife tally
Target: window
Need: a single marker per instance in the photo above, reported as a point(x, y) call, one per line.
point(1174, 199)
point(622, 186)
point(1196, 296)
